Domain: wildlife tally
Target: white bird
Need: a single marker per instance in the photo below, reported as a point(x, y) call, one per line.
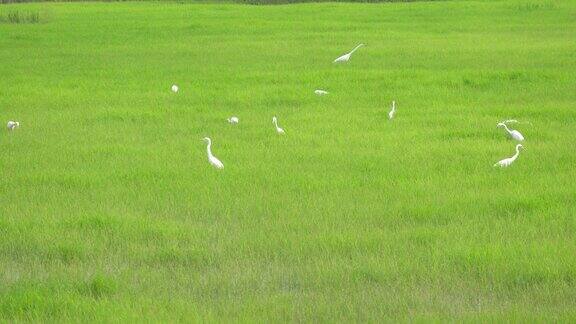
point(233, 120)
point(507, 162)
point(275, 122)
point(513, 133)
point(509, 121)
point(393, 111)
point(514, 121)
point(211, 158)
point(13, 125)
point(321, 92)
point(175, 88)
point(346, 57)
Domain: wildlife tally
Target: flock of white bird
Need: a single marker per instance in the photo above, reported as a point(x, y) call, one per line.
point(214, 161)
point(514, 134)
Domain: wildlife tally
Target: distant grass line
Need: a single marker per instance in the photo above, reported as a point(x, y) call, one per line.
point(259, 2)
point(266, 2)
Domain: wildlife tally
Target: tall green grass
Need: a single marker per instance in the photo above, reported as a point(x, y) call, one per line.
point(20, 17)
point(109, 210)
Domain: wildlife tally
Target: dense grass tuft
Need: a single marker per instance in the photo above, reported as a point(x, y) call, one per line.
point(533, 6)
point(99, 286)
point(20, 17)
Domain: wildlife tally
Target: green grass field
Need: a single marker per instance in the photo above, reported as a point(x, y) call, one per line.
point(110, 212)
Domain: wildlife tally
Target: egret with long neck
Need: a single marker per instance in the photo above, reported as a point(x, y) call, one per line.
point(346, 57)
point(211, 158)
point(512, 132)
point(275, 122)
point(393, 111)
point(507, 162)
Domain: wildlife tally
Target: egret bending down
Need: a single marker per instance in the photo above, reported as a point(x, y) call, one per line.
point(513, 133)
point(346, 57)
point(211, 158)
point(12, 125)
point(233, 120)
point(174, 88)
point(321, 92)
point(507, 162)
point(393, 111)
point(275, 122)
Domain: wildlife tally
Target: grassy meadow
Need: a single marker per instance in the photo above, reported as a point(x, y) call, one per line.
point(110, 212)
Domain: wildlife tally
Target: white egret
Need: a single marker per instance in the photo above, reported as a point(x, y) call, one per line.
point(321, 92)
point(509, 121)
point(507, 162)
point(514, 121)
point(393, 111)
point(175, 88)
point(513, 133)
point(211, 158)
point(275, 122)
point(13, 125)
point(233, 120)
point(346, 57)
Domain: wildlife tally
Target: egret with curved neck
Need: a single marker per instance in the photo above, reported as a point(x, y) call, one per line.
point(393, 111)
point(211, 158)
point(346, 57)
point(507, 162)
point(275, 122)
point(512, 132)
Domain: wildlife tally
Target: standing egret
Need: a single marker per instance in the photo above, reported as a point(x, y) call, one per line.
point(211, 158)
point(507, 162)
point(12, 125)
point(321, 92)
point(174, 88)
point(233, 120)
point(275, 122)
point(513, 133)
point(393, 111)
point(346, 57)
